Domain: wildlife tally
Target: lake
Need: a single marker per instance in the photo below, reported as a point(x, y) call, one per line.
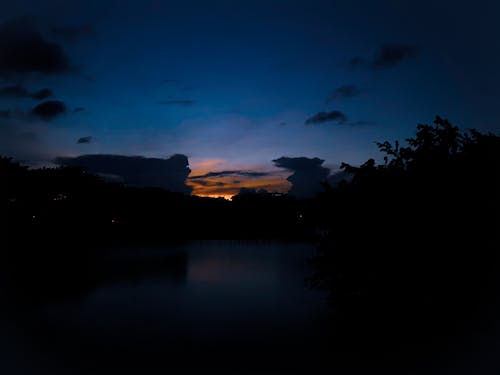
point(210, 306)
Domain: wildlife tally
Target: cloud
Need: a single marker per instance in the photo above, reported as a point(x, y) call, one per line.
point(72, 33)
point(201, 182)
point(84, 140)
point(169, 81)
point(344, 92)
point(18, 91)
point(308, 173)
point(49, 110)
point(387, 56)
point(78, 109)
point(228, 182)
point(42, 94)
point(230, 173)
point(24, 50)
point(392, 54)
point(322, 117)
point(168, 173)
point(178, 102)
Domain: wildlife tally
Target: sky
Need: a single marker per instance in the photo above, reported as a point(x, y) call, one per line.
point(270, 95)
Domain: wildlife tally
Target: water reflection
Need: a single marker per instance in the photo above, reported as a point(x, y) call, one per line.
point(202, 305)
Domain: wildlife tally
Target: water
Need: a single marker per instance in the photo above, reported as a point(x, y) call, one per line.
point(212, 307)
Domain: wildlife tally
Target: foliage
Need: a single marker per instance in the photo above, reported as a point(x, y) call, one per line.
point(416, 236)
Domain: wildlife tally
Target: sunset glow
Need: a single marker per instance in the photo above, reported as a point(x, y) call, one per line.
point(217, 178)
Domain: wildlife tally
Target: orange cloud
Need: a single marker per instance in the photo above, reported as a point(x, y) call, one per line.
point(229, 184)
point(203, 166)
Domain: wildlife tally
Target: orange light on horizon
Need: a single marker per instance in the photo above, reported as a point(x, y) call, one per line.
point(228, 185)
point(227, 197)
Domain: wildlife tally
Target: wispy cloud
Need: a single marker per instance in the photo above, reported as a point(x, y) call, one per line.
point(84, 140)
point(387, 56)
point(18, 92)
point(323, 117)
point(392, 54)
point(231, 173)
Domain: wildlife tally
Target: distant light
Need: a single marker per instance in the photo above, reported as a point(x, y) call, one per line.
point(34, 217)
point(113, 221)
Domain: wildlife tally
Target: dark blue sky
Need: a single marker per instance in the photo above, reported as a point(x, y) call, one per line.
point(234, 85)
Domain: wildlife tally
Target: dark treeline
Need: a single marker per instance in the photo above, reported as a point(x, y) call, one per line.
point(69, 203)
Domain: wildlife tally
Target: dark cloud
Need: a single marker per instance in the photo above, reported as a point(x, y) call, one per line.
point(201, 182)
point(392, 54)
point(18, 91)
point(87, 139)
point(42, 94)
point(308, 173)
point(178, 102)
point(168, 173)
point(49, 110)
point(343, 92)
point(72, 33)
point(207, 183)
point(24, 50)
point(322, 117)
point(78, 109)
point(230, 173)
point(388, 55)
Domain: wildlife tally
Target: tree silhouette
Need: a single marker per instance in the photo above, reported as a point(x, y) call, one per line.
point(414, 237)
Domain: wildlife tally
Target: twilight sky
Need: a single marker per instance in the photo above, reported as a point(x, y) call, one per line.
point(250, 91)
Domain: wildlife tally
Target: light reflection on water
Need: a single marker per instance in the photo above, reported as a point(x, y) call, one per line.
point(201, 299)
point(228, 289)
